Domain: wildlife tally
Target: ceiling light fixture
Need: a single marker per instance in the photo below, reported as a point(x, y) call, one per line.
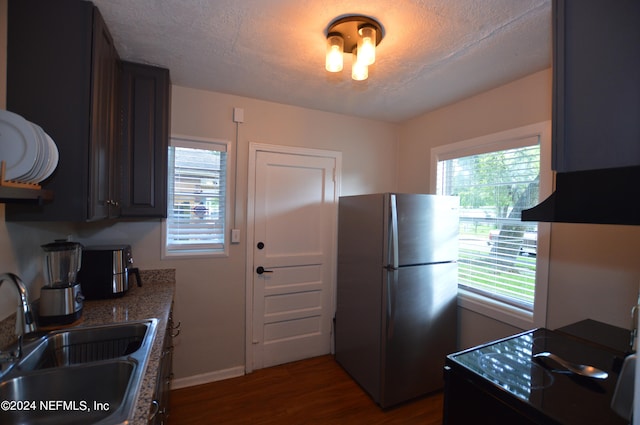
point(355, 34)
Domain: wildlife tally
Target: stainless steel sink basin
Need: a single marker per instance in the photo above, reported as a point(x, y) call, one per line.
point(93, 392)
point(82, 345)
point(96, 371)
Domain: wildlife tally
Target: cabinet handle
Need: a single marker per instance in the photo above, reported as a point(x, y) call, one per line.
point(176, 333)
point(155, 408)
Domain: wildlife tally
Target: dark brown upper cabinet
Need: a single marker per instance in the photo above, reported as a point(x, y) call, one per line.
point(109, 119)
point(62, 75)
point(596, 99)
point(145, 97)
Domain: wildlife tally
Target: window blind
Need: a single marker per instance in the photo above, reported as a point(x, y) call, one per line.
point(497, 250)
point(197, 193)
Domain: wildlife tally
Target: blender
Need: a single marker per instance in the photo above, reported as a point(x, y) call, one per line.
point(61, 299)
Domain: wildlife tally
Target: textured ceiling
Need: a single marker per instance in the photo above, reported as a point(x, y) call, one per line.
point(434, 52)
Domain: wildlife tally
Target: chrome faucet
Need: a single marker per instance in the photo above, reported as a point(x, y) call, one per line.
point(27, 322)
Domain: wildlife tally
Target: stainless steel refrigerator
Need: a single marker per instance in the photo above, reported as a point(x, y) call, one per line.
point(396, 307)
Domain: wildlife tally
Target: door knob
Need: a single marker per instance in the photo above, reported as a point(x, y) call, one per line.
point(261, 270)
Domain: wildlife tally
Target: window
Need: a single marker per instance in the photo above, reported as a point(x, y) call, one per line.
point(496, 177)
point(197, 204)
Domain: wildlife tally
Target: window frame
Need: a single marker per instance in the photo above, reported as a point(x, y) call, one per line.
point(185, 141)
point(501, 311)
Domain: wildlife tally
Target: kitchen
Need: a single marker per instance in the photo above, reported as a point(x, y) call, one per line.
point(593, 269)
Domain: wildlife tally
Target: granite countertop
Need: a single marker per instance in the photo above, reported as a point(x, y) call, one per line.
point(152, 300)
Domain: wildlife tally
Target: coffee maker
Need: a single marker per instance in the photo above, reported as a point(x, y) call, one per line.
point(61, 299)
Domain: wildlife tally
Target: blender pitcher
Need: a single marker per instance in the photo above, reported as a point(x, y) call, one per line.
point(62, 262)
point(61, 299)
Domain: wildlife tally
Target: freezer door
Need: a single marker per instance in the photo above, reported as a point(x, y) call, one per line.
point(361, 232)
point(420, 328)
point(423, 229)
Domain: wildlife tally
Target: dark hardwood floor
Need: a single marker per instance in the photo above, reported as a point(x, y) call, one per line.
point(313, 391)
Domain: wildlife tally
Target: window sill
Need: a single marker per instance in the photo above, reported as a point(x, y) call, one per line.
point(185, 255)
point(497, 310)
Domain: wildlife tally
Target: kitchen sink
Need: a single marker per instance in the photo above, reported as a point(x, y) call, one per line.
point(85, 375)
point(90, 393)
point(88, 344)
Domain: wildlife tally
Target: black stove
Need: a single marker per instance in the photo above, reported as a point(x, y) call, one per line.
point(501, 382)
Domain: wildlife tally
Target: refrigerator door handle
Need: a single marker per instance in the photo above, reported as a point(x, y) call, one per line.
point(393, 233)
point(392, 284)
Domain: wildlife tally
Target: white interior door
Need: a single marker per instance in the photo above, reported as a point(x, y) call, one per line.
point(293, 241)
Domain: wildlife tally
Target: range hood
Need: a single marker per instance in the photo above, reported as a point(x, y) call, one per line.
point(605, 196)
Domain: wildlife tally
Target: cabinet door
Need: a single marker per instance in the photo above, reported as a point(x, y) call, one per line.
point(61, 75)
point(145, 139)
point(596, 84)
point(49, 82)
point(160, 412)
point(102, 169)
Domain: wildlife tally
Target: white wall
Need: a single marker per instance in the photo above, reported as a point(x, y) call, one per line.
point(594, 269)
point(526, 101)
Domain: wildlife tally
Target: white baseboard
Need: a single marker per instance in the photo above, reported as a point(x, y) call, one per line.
point(208, 377)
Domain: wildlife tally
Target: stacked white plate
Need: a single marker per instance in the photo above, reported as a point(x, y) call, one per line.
point(30, 155)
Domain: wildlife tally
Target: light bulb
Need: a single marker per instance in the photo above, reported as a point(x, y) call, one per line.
point(367, 45)
point(335, 46)
point(359, 69)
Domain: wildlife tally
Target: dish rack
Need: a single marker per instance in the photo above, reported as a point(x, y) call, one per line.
point(12, 183)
